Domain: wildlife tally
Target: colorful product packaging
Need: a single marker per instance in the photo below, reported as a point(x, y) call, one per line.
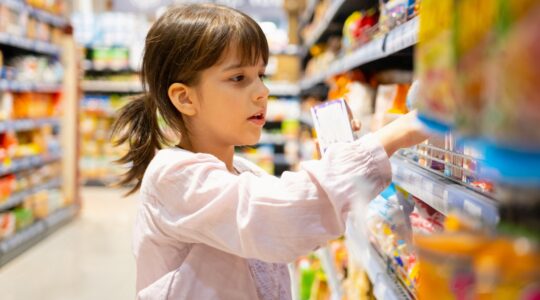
point(513, 103)
point(435, 64)
point(474, 33)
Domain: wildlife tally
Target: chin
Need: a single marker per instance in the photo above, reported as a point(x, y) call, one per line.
point(251, 140)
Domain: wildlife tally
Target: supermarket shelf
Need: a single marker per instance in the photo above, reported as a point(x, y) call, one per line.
point(289, 50)
point(90, 69)
point(47, 17)
point(385, 284)
point(27, 163)
point(325, 22)
point(104, 181)
point(102, 112)
point(306, 119)
point(28, 44)
point(112, 86)
point(27, 124)
point(37, 13)
point(281, 160)
point(22, 86)
point(18, 198)
point(327, 262)
point(443, 194)
point(98, 182)
point(20, 242)
point(283, 89)
point(307, 15)
point(401, 37)
point(276, 139)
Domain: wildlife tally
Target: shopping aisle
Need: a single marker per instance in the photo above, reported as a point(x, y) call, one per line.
point(90, 258)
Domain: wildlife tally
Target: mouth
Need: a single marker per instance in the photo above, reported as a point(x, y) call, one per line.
point(258, 119)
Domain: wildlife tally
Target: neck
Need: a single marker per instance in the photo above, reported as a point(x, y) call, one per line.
point(223, 153)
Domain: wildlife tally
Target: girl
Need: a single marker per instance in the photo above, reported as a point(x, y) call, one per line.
point(212, 225)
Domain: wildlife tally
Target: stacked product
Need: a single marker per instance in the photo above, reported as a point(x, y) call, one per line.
point(18, 20)
point(473, 82)
point(461, 220)
point(113, 48)
point(358, 29)
point(34, 191)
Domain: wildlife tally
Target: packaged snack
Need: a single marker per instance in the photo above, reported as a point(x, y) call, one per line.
point(358, 285)
point(359, 28)
point(474, 32)
point(24, 218)
point(508, 269)
point(513, 109)
point(446, 265)
point(435, 64)
point(7, 224)
point(414, 8)
point(340, 257)
point(308, 267)
point(425, 219)
point(393, 13)
point(390, 229)
point(391, 100)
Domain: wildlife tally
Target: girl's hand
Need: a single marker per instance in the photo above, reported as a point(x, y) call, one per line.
point(355, 126)
point(404, 132)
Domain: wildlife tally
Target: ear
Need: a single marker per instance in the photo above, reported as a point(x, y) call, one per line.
point(182, 97)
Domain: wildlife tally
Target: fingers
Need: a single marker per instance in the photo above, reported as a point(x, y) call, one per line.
point(318, 148)
point(356, 125)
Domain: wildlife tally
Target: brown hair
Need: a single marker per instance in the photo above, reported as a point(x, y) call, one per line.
point(183, 42)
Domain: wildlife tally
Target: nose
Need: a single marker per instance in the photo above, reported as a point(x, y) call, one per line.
point(262, 92)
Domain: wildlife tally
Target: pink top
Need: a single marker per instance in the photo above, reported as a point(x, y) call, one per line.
point(204, 233)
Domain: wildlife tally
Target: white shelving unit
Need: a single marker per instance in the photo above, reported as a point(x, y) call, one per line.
point(283, 89)
point(22, 86)
point(27, 124)
point(41, 15)
point(308, 12)
point(104, 86)
point(28, 44)
point(29, 162)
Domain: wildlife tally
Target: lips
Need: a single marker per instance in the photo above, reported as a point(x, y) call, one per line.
point(258, 119)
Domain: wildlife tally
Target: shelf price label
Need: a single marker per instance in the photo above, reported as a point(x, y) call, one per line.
point(472, 209)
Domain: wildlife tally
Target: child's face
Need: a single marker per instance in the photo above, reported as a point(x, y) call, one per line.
point(232, 100)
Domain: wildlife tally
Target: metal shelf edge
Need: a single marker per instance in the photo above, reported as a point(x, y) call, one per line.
point(443, 194)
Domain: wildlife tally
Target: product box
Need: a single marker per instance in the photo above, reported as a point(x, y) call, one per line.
point(288, 68)
point(332, 121)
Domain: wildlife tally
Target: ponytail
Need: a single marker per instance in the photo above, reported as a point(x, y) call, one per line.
point(137, 125)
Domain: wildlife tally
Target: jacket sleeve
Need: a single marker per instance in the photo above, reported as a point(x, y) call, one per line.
point(197, 200)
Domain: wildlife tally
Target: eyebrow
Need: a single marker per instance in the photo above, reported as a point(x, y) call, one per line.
point(233, 66)
point(237, 66)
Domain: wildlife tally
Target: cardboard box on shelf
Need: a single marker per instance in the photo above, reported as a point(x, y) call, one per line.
point(288, 68)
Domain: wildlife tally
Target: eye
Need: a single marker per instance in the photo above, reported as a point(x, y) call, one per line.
point(263, 76)
point(238, 78)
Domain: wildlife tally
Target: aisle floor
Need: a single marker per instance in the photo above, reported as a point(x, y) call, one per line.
point(89, 258)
